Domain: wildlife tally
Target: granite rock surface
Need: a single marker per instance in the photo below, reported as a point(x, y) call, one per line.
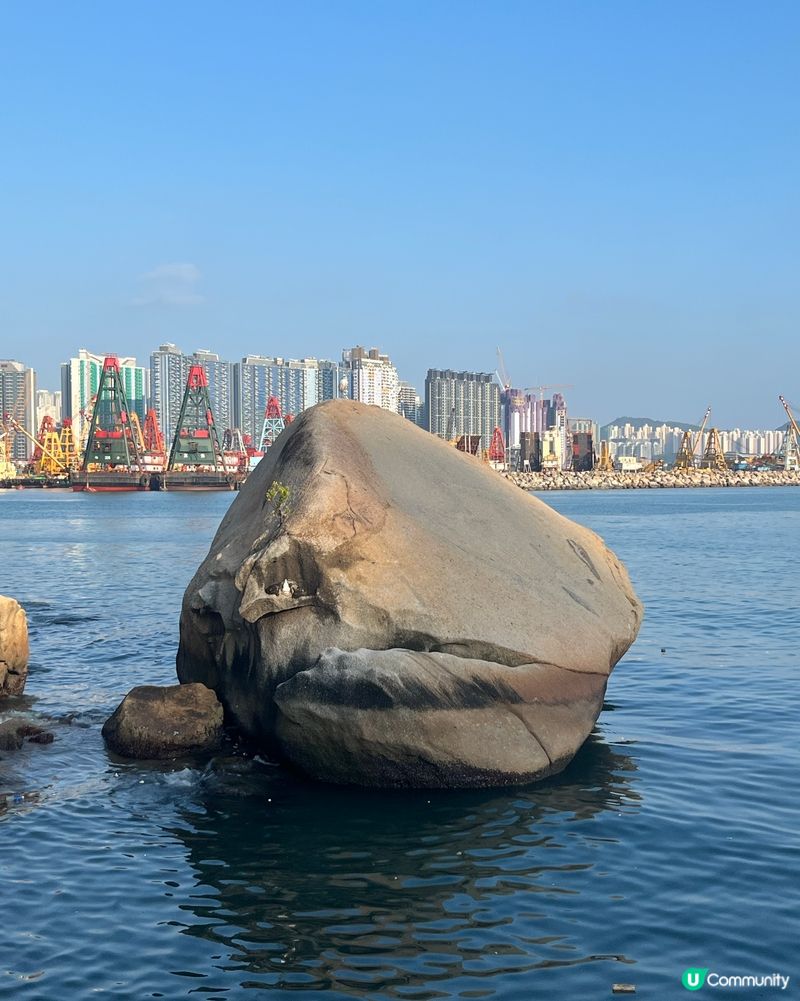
point(165, 722)
point(13, 647)
point(380, 608)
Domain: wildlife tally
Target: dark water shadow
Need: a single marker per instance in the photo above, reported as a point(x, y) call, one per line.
point(309, 887)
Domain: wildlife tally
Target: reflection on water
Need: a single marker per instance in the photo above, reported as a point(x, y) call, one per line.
point(303, 885)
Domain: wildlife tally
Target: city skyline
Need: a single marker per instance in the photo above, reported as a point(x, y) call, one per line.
point(233, 403)
point(611, 413)
point(610, 410)
point(346, 175)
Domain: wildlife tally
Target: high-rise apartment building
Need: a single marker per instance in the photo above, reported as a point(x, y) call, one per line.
point(48, 405)
point(410, 405)
point(169, 370)
point(462, 403)
point(18, 401)
point(80, 380)
point(296, 383)
point(372, 378)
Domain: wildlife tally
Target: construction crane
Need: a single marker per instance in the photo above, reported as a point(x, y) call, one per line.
point(497, 448)
point(604, 463)
point(136, 430)
point(52, 462)
point(68, 448)
point(274, 423)
point(505, 379)
point(791, 442)
point(86, 420)
point(541, 389)
point(153, 438)
point(684, 460)
point(111, 441)
point(501, 372)
point(713, 456)
point(8, 470)
point(47, 427)
point(196, 442)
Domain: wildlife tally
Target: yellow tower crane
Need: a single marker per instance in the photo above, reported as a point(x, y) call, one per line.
point(604, 463)
point(51, 462)
point(8, 470)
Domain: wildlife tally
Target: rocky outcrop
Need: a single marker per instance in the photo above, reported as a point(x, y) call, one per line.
point(155, 722)
point(380, 608)
point(13, 647)
point(16, 731)
point(660, 478)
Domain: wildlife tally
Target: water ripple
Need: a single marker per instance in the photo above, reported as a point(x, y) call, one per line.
point(670, 841)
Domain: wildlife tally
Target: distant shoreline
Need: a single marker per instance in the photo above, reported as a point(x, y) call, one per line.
point(660, 480)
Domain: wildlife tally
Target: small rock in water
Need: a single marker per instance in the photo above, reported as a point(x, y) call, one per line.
point(155, 722)
point(13, 733)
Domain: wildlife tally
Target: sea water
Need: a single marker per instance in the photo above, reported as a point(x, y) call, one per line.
point(670, 843)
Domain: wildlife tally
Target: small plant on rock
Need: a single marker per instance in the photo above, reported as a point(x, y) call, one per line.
point(278, 495)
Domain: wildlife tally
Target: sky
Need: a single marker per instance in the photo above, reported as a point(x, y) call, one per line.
point(606, 191)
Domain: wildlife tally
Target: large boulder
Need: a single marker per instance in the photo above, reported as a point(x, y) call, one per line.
point(381, 608)
point(13, 647)
point(156, 722)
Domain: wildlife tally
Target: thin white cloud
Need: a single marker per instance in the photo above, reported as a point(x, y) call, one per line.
point(170, 285)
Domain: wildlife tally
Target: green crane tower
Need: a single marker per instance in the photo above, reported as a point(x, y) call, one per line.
point(111, 442)
point(196, 443)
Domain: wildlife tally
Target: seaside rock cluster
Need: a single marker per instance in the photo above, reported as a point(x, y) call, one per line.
point(380, 609)
point(164, 722)
point(597, 480)
point(14, 650)
point(16, 731)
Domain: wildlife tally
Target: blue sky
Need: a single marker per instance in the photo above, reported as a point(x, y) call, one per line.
point(608, 191)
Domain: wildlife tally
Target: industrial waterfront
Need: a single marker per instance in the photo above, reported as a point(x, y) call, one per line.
point(668, 843)
point(112, 450)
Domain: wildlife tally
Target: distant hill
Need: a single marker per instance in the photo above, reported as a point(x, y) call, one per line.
point(638, 422)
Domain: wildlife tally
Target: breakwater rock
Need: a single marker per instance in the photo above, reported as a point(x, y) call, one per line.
point(379, 608)
point(661, 478)
point(14, 650)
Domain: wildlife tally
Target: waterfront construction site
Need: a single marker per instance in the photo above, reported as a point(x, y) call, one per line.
point(116, 449)
point(119, 452)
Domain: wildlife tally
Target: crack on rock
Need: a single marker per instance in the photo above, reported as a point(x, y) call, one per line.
point(531, 731)
point(350, 514)
point(578, 600)
point(581, 553)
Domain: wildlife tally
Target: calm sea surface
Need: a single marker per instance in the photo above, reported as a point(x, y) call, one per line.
point(671, 841)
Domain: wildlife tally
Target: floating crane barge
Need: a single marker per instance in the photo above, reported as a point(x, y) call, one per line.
point(196, 460)
point(112, 460)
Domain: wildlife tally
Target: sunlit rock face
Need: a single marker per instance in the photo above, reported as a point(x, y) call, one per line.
point(13, 647)
point(379, 608)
